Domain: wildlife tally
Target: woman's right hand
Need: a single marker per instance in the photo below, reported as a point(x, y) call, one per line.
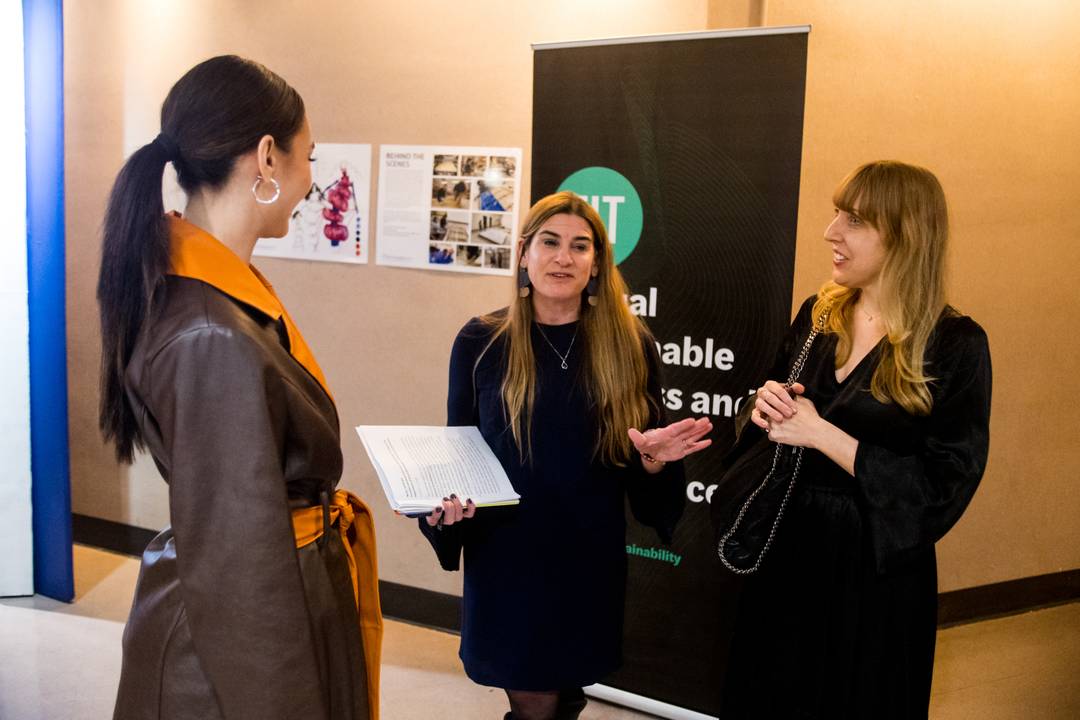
point(451, 511)
point(775, 402)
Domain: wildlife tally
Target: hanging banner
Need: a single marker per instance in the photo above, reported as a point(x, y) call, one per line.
point(330, 223)
point(689, 146)
point(448, 208)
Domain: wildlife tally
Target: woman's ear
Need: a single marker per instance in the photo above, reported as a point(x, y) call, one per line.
point(264, 155)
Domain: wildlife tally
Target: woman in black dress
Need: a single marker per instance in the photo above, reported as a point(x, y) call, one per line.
point(559, 384)
point(893, 408)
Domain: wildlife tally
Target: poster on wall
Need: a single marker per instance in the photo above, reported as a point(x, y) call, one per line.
point(689, 146)
point(448, 208)
point(330, 223)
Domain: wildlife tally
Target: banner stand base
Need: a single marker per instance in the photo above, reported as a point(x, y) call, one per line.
point(644, 704)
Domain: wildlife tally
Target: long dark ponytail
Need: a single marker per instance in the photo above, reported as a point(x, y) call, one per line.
point(217, 111)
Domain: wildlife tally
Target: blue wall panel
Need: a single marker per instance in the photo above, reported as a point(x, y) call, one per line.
point(43, 28)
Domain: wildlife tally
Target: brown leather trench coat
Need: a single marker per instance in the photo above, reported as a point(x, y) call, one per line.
point(231, 619)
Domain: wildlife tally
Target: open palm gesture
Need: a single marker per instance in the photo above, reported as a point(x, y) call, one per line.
point(674, 441)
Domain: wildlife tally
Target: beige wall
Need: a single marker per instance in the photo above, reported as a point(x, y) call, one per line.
point(985, 93)
point(410, 72)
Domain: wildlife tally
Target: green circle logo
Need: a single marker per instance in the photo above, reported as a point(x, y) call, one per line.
point(617, 202)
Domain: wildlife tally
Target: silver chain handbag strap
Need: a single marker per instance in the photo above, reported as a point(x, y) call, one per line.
point(797, 453)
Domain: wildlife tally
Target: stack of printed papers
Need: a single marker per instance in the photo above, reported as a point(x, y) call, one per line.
point(419, 466)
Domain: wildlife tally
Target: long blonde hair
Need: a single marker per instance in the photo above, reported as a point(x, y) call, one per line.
point(906, 205)
point(617, 372)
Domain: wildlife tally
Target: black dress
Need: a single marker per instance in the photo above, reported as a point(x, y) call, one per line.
point(840, 620)
point(542, 605)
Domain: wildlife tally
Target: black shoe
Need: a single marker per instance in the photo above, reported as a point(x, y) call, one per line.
point(571, 703)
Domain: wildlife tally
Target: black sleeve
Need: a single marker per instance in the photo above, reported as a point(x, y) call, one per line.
point(910, 501)
point(220, 409)
point(461, 410)
point(461, 406)
point(656, 500)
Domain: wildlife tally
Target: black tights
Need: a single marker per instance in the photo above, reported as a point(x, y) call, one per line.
point(550, 705)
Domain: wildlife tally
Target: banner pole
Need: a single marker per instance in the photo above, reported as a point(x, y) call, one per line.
point(675, 37)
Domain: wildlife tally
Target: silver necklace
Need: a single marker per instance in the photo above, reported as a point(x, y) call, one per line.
point(869, 317)
point(562, 357)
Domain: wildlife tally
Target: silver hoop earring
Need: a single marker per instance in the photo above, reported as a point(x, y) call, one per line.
point(255, 191)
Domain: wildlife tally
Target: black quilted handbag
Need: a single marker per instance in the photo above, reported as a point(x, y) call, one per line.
point(763, 474)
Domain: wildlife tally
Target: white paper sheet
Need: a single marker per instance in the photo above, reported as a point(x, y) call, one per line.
point(448, 208)
point(330, 224)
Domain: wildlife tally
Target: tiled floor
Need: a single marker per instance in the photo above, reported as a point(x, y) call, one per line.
point(60, 661)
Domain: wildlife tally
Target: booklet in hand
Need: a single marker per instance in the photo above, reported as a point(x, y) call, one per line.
point(419, 466)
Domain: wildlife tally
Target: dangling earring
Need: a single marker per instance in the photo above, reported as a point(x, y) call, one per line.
point(592, 290)
point(523, 282)
point(255, 191)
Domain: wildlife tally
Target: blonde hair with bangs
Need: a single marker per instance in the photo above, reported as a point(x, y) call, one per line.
point(906, 205)
point(617, 372)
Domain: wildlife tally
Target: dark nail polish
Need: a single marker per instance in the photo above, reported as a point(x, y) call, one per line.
point(453, 496)
point(469, 501)
point(446, 499)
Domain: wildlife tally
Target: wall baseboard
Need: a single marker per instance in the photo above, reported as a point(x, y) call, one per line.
point(443, 612)
point(1008, 598)
point(109, 535)
point(400, 602)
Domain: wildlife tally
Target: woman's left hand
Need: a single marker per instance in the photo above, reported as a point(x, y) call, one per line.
point(802, 429)
point(673, 442)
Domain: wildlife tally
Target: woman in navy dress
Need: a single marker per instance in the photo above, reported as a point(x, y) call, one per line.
point(564, 386)
point(893, 408)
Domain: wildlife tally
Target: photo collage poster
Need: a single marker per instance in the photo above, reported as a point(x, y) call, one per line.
point(330, 223)
point(448, 208)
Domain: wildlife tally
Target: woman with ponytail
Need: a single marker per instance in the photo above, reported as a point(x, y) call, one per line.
point(893, 409)
point(564, 386)
point(260, 600)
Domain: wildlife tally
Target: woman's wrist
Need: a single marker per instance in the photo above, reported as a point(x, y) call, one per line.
point(837, 445)
point(819, 438)
point(651, 464)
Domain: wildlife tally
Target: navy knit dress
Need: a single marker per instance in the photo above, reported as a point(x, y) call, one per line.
point(545, 580)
